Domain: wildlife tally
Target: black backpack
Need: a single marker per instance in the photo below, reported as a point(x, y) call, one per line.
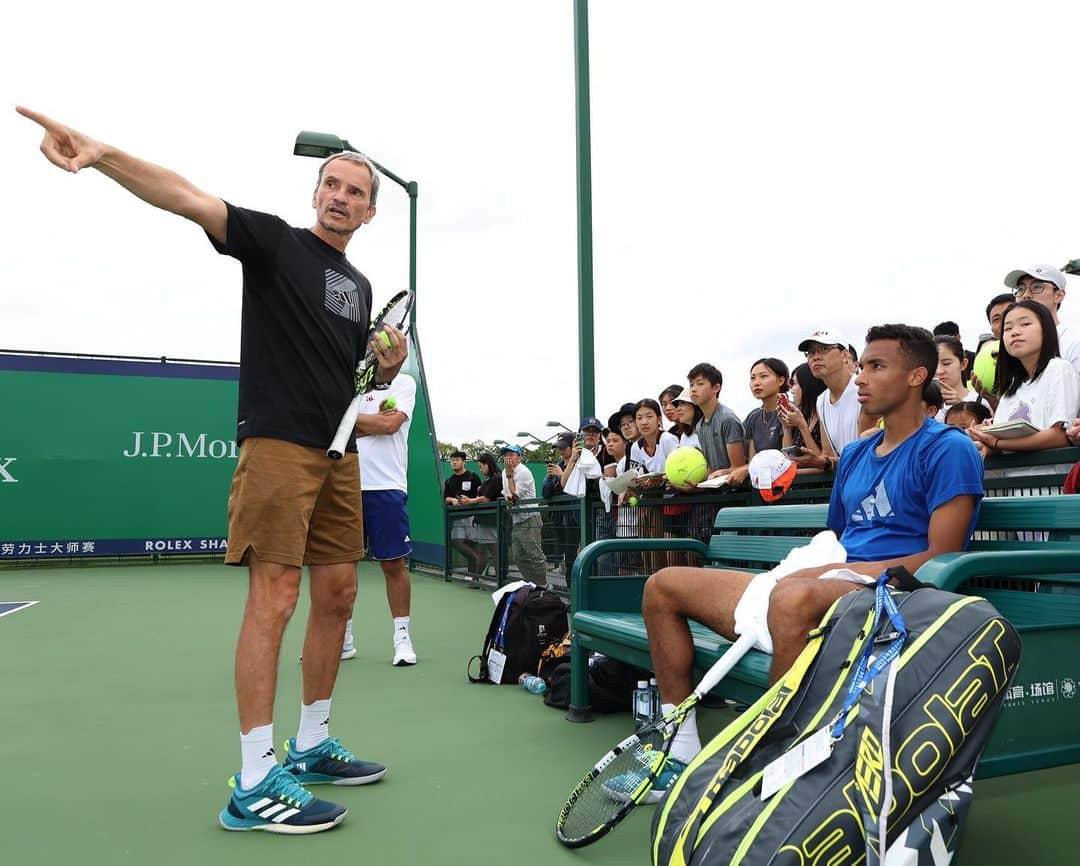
point(611, 685)
point(529, 620)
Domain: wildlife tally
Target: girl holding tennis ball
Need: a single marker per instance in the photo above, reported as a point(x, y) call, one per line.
point(651, 450)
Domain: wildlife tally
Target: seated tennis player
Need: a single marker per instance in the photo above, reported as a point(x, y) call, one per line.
point(305, 320)
point(901, 496)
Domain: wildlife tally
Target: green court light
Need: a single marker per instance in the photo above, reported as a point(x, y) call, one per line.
point(319, 144)
point(539, 440)
point(559, 424)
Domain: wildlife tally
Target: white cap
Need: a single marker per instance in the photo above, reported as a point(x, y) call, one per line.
point(1047, 273)
point(772, 474)
point(826, 337)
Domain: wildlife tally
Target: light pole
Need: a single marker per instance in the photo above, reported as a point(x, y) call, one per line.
point(323, 144)
point(537, 439)
point(586, 363)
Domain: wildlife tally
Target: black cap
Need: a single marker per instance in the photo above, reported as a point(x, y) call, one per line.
point(564, 440)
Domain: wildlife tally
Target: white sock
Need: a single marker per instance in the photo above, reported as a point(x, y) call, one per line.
point(256, 755)
point(348, 630)
point(401, 626)
point(687, 743)
point(314, 724)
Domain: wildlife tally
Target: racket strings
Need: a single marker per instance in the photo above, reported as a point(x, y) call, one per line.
point(395, 313)
point(597, 802)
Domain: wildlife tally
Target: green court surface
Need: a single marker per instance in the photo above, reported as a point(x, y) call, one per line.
point(118, 734)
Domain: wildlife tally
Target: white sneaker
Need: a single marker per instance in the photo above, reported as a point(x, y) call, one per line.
point(348, 649)
point(404, 654)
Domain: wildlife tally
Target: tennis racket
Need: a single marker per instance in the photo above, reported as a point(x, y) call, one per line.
point(395, 313)
point(603, 798)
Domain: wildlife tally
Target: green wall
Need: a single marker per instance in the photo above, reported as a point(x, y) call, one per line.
point(125, 457)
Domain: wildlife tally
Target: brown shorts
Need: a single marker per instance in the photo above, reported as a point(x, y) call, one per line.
point(293, 505)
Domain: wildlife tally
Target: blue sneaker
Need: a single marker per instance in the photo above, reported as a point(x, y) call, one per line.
point(330, 763)
point(278, 805)
point(622, 787)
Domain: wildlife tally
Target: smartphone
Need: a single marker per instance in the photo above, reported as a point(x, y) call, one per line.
point(783, 401)
point(794, 450)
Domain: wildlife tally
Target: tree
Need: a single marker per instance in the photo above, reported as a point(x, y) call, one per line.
point(543, 452)
point(478, 447)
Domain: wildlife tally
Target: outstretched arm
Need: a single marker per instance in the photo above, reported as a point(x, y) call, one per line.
point(72, 151)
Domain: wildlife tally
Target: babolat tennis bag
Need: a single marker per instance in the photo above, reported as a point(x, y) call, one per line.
point(525, 622)
point(873, 735)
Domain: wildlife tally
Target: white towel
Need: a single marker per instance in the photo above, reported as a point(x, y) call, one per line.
point(509, 587)
point(586, 467)
point(751, 613)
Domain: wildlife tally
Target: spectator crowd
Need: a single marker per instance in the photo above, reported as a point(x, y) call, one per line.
point(808, 412)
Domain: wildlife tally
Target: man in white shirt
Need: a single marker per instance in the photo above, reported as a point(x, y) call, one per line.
point(838, 405)
point(1045, 285)
point(382, 441)
point(526, 549)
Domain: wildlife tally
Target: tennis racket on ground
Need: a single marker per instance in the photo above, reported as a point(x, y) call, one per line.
point(395, 313)
point(598, 802)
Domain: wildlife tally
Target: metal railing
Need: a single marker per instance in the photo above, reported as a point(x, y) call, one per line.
point(568, 524)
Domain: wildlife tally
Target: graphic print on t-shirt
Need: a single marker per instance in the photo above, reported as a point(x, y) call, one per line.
point(342, 296)
point(875, 505)
point(1021, 413)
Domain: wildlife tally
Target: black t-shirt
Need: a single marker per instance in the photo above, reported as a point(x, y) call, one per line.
point(491, 488)
point(465, 484)
point(305, 315)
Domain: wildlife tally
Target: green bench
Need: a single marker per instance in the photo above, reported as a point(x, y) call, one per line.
point(1035, 584)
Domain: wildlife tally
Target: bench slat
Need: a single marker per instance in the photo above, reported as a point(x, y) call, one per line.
point(725, 547)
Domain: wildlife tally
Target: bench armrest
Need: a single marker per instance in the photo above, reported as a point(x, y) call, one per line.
point(950, 570)
point(584, 566)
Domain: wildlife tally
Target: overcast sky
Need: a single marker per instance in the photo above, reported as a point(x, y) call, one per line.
point(759, 171)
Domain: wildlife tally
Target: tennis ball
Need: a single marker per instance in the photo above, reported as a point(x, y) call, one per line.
point(390, 403)
point(986, 363)
point(632, 500)
point(385, 338)
point(686, 465)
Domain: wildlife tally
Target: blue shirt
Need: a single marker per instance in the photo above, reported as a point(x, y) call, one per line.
point(880, 506)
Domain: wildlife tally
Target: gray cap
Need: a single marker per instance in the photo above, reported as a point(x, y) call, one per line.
point(1047, 273)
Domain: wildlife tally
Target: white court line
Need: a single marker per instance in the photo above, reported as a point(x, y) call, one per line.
point(23, 605)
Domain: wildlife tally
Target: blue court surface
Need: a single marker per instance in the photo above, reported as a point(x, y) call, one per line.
point(7, 607)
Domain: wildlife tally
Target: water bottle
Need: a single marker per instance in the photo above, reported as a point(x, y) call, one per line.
point(642, 705)
point(533, 684)
point(654, 695)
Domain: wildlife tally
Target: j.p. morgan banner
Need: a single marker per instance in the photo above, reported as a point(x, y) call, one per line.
point(103, 457)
